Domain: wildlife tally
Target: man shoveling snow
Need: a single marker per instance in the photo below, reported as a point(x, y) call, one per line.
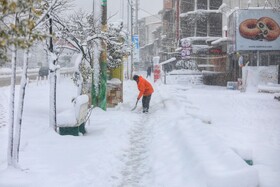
point(145, 89)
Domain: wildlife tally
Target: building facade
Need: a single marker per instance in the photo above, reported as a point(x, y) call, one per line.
point(197, 30)
point(201, 23)
point(149, 29)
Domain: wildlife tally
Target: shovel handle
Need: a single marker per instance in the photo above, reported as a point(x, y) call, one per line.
point(135, 105)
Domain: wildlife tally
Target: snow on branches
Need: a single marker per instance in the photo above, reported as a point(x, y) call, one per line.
point(116, 45)
point(82, 75)
point(81, 31)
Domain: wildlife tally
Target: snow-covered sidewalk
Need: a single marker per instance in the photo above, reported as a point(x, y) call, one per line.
point(193, 137)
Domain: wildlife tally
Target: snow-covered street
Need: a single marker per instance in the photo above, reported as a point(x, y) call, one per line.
point(196, 136)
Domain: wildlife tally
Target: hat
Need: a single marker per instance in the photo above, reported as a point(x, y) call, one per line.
point(135, 77)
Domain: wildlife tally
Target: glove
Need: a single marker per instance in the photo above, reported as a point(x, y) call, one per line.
point(138, 99)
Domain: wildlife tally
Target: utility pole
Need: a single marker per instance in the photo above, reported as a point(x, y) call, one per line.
point(129, 40)
point(130, 18)
point(93, 85)
point(122, 10)
point(177, 20)
point(102, 100)
point(131, 33)
point(136, 17)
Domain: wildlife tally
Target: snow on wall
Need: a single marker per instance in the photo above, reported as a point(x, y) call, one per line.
point(259, 75)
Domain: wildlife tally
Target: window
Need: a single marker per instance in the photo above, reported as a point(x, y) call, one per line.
point(215, 25)
point(264, 60)
point(201, 27)
point(202, 4)
point(187, 5)
point(215, 4)
point(274, 59)
point(188, 28)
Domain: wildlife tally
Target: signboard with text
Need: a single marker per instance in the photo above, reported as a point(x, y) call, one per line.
point(135, 41)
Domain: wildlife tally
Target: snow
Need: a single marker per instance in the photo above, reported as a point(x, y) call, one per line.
point(71, 116)
point(263, 78)
point(114, 81)
point(78, 61)
point(185, 72)
point(52, 58)
point(67, 118)
point(269, 88)
point(194, 136)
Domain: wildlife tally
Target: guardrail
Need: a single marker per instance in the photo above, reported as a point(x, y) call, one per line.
point(5, 75)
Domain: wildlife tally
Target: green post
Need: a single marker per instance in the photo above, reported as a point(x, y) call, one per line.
point(102, 100)
point(93, 80)
point(93, 92)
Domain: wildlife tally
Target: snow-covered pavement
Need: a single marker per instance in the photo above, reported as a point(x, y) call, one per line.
point(192, 137)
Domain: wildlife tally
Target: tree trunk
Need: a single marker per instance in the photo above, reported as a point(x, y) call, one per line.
point(11, 159)
point(53, 80)
point(18, 123)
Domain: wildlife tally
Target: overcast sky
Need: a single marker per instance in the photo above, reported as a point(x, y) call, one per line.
point(147, 7)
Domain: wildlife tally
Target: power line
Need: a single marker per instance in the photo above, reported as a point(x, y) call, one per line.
point(149, 13)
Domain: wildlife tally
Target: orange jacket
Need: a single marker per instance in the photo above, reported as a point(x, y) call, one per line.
point(144, 87)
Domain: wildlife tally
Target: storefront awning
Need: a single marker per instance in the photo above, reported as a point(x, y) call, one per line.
point(168, 61)
point(220, 41)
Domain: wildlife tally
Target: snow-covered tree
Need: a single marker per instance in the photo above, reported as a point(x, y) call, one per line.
point(81, 31)
point(20, 27)
point(117, 48)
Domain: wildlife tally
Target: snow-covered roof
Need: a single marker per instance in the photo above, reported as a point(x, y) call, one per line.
point(220, 40)
point(200, 38)
point(146, 45)
point(178, 49)
point(154, 23)
point(200, 11)
point(168, 61)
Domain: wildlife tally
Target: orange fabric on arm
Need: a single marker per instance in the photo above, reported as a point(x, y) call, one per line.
point(144, 87)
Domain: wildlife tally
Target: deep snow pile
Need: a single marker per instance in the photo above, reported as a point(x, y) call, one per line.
point(193, 137)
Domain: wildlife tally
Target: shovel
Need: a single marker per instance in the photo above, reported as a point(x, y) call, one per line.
point(135, 105)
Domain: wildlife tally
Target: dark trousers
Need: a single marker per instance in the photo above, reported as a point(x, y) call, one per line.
point(146, 102)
